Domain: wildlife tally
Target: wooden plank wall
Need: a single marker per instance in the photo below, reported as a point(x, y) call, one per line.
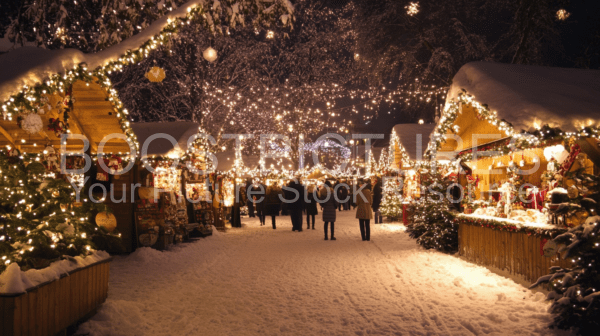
point(53, 307)
point(514, 252)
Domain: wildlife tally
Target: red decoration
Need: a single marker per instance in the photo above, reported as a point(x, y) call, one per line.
point(564, 168)
point(56, 126)
point(542, 243)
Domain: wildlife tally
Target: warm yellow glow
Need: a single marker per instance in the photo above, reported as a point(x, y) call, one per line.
point(562, 14)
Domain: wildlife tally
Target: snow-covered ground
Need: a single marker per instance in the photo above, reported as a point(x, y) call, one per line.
point(260, 281)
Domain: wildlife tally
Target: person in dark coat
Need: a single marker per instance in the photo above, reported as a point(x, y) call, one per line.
point(311, 206)
point(273, 202)
point(352, 201)
point(364, 199)
point(258, 199)
point(329, 205)
point(249, 202)
point(342, 194)
point(294, 198)
point(377, 197)
point(239, 201)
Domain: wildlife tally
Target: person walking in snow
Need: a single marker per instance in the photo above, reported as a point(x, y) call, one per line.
point(258, 198)
point(342, 194)
point(329, 205)
point(377, 196)
point(294, 198)
point(249, 201)
point(311, 206)
point(273, 202)
point(364, 214)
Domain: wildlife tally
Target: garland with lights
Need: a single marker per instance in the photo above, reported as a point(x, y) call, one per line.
point(545, 136)
point(504, 225)
point(39, 219)
point(575, 298)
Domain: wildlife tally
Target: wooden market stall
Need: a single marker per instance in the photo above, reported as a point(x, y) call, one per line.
point(172, 201)
point(405, 166)
point(520, 133)
point(52, 306)
point(408, 143)
point(91, 115)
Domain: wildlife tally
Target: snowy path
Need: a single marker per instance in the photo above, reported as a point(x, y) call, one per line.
point(255, 281)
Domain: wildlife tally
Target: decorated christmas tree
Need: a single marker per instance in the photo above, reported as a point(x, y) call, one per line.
point(40, 220)
point(391, 204)
point(432, 222)
point(575, 291)
point(383, 164)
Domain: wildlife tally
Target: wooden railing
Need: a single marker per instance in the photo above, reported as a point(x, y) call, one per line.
point(51, 307)
point(514, 252)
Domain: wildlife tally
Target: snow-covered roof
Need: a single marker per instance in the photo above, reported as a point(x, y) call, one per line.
point(31, 65)
point(181, 131)
point(414, 138)
point(525, 95)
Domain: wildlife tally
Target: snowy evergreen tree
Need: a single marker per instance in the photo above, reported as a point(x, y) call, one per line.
point(391, 203)
point(575, 291)
point(88, 25)
point(432, 222)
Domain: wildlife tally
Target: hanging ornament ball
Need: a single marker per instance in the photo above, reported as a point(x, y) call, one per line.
point(106, 220)
point(155, 75)
point(210, 54)
point(573, 192)
point(32, 123)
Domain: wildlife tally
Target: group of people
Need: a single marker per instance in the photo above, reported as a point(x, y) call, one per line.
point(295, 199)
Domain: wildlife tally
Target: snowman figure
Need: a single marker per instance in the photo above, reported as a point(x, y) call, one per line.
point(51, 158)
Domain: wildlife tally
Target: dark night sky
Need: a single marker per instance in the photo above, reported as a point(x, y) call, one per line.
point(578, 35)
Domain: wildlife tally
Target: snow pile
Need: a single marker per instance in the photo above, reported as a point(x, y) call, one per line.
point(14, 281)
point(260, 281)
point(525, 95)
point(517, 223)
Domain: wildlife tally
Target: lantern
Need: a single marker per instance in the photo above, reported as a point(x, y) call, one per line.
point(210, 54)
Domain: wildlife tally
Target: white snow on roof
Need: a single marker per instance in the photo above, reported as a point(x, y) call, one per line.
point(525, 94)
point(31, 65)
point(181, 131)
point(414, 138)
point(19, 68)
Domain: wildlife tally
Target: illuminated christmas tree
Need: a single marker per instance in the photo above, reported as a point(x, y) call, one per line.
point(432, 223)
point(391, 204)
point(40, 220)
